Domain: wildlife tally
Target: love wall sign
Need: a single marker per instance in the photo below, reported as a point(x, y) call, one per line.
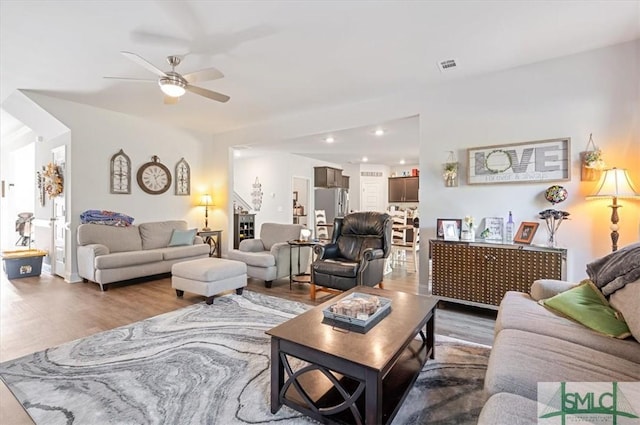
point(544, 160)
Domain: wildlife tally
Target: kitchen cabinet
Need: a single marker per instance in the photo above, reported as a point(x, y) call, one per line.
point(327, 177)
point(403, 189)
point(345, 182)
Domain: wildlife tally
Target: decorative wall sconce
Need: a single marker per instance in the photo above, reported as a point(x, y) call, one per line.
point(614, 184)
point(450, 171)
point(205, 201)
point(591, 162)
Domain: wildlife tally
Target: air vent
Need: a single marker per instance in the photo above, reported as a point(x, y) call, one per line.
point(447, 65)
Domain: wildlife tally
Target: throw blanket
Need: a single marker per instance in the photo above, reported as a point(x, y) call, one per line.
point(108, 218)
point(615, 270)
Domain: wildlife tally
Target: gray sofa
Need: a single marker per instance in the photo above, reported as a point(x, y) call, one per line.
point(267, 258)
point(109, 254)
point(533, 344)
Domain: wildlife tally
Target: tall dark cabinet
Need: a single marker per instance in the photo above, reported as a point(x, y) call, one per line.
point(403, 189)
point(244, 227)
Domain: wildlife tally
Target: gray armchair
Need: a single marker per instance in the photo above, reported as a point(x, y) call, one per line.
point(267, 258)
point(359, 246)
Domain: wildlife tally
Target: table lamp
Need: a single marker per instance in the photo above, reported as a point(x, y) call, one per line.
point(615, 183)
point(205, 201)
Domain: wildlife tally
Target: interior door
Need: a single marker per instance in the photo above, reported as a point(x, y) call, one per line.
point(372, 197)
point(59, 219)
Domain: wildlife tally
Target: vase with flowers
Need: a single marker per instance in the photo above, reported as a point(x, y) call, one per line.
point(468, 232)
point(450, 174)
point(553, 219)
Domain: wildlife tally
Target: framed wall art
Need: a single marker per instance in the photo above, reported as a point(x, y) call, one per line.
point(525, 232)
point(120, 174)
point(544, 160)
point(443, 231)
point(183, 178)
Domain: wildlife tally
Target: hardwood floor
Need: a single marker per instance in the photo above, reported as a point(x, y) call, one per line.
point(42, 312)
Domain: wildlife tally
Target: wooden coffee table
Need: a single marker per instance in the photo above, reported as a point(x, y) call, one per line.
point(349, 377)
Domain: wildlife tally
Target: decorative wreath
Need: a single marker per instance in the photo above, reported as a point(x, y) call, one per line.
point(500, 162)
point(52, 180)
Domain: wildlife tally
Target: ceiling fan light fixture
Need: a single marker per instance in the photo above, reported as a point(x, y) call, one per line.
point(172, 88)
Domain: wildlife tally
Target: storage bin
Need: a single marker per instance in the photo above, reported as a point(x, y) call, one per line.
point(23, 263)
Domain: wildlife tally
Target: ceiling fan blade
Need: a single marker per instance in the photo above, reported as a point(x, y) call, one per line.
point(203, 75)
point(168, 100)
point(142, 80)
point(144, 63)
point(208, 93)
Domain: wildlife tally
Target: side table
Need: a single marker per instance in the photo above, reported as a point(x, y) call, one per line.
point(303, 277)
point(214, 239)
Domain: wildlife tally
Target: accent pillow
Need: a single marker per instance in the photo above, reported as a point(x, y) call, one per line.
point(586, 305)
point(627, 302)
point(182, 237)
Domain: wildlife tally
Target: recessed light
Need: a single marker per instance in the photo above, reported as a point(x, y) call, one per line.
point(329, 139)
point(402, 161)
point(365, 159)
point(379, 132)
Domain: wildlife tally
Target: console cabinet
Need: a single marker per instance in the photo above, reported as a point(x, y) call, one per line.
point(481, 273)
point(403, 189)
point(244, 227)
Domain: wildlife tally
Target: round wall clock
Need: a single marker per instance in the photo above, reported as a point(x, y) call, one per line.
point(153, 177)
point(183, 178)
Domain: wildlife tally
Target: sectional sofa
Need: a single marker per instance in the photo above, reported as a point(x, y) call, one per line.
point(108, 254)
point(535, 344)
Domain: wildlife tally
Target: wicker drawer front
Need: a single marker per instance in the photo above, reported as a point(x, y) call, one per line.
point(515, 270)
point(483, 274)
point(457, 272)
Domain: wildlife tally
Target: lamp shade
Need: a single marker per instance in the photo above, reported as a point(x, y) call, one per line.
point(615, 183)
point(205, 200)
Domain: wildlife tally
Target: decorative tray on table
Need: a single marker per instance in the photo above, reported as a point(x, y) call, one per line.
point(357, 312)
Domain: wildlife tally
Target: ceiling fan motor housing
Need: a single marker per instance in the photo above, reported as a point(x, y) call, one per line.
point(173, 79)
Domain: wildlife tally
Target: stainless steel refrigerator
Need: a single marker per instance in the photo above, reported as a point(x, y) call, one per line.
point(334, 201)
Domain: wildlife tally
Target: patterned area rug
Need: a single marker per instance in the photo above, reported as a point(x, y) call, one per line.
point(210, 365)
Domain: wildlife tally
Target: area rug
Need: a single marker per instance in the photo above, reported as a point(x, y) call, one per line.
point(210, 365)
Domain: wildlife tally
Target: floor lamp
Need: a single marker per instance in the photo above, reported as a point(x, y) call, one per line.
point(615, 183)
point(205, 201)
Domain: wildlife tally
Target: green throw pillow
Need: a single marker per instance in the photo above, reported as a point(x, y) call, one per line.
point(182, 237)
point(586, 305)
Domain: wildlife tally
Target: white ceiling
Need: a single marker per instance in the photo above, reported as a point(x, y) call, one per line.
point(281, 57)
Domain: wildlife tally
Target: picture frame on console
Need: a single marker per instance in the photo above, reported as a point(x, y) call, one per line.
point(450, 229)
point(525, 232)
point(493, 229)
point(440, 229)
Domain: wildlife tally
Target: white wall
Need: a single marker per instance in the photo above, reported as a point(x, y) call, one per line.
point(96, 134)
point(568, 97)
point(275, 172)
point(571, 97)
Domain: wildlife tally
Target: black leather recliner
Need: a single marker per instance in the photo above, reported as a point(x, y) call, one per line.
point(359, 245)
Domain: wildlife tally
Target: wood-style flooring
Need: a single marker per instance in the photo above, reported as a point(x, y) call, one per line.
point(42, 312)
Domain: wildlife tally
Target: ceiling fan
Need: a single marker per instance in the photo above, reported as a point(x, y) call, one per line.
point(173, 84)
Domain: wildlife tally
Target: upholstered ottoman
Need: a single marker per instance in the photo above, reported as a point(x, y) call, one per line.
point(208, 277)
